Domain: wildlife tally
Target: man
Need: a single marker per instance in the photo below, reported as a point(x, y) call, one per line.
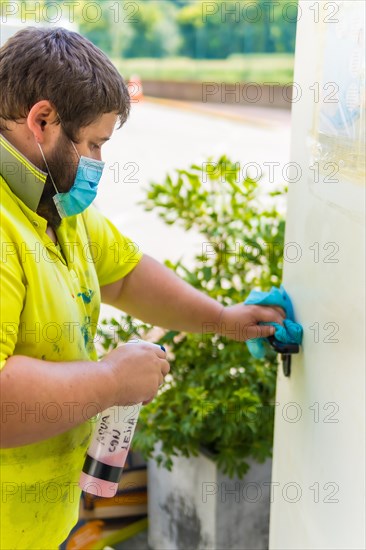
point(61, 99)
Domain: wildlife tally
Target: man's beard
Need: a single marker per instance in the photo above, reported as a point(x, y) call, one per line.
point(63, 171)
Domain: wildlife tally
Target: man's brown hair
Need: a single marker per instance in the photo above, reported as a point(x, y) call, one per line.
point(64, 68)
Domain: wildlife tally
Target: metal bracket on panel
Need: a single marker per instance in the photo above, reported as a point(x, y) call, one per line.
point(286, 350)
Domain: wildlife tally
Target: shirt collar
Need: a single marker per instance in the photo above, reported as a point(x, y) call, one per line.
point(23, 177)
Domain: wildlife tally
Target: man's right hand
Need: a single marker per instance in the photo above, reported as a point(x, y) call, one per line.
point(131, 373)
point(137, 370)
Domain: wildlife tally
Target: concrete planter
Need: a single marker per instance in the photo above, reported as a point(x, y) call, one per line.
point(197, 507)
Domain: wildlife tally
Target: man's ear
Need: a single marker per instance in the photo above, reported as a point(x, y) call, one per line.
point(41, 119)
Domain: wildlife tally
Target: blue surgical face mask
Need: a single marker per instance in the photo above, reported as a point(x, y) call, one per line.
point(84, 189)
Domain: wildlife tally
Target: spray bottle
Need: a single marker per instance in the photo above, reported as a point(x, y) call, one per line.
point(108, 450)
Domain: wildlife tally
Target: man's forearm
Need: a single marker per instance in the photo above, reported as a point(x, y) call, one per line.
point(33, 391)
point(156, 295)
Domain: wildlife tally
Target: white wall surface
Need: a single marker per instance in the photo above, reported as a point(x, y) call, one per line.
point(318, 477)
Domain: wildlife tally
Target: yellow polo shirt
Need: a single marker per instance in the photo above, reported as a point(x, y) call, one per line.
point(49, 308)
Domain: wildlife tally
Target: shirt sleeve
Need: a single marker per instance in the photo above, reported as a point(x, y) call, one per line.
point(12, 296)
point(114, 254)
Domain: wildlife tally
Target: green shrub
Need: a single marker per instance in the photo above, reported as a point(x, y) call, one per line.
point(218, 397)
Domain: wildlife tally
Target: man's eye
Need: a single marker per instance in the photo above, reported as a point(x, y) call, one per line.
point(95, 146)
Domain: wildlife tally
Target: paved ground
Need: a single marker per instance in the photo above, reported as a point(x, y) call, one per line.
point(159, 138)
point(162, 135)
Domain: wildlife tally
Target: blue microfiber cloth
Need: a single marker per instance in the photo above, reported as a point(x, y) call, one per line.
point(290, 333)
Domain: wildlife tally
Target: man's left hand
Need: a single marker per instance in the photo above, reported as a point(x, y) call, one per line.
point(240, 322)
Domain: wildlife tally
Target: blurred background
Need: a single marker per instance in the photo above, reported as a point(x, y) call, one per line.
point(182, 40)
point(207, 78)
point(197, 40)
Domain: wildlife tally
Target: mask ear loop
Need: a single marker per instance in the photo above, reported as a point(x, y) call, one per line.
point(46, 163)
point(76, 151)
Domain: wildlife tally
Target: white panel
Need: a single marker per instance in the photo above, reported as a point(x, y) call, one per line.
point(319, 450)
